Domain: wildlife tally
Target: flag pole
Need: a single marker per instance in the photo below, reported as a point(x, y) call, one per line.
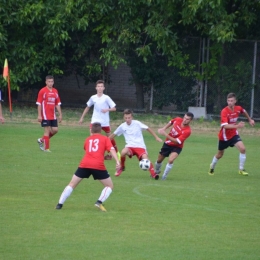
point(9, 96)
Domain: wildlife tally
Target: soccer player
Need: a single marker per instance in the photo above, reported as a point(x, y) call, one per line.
point(2, 120)
point(132, 131)
point(48, 99)
point(172, 147)
point(228, 134)
point(103, 104)
point(93, 164)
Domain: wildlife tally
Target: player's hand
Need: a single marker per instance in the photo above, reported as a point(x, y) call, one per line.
point(158, 139)
point(104, 110)
point(161, 131)
point(2, 120)
point(60, 119)
point(80, 121)
point(39, 119)
point(240, 124)
point(118, 165)
point(252, 122)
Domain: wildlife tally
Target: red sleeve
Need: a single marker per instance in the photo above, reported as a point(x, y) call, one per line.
point(224, 118)
point(40, 96)
point(185, 134)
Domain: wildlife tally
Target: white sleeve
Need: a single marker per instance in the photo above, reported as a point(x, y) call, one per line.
point(119, 130)
point(90, 102)
point(110, 102)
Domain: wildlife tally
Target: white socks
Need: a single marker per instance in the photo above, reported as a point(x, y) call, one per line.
point(105, 194)
point(65, 194)
point(214, 162)
point(242, 160)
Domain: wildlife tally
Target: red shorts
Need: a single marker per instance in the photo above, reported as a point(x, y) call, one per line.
point(106, 129)
point(138, 152)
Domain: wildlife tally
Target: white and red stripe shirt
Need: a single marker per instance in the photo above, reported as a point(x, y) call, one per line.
point(229, 116)
point(48, 100)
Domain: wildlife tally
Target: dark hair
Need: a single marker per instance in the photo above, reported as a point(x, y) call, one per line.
point(96, 128)
point(100, 82)
point(231, 95)
point(128, 111)
point(189, 114)
point(49, 77)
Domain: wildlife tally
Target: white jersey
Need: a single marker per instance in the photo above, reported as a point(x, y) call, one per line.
point(132, 133)
point(103, 102)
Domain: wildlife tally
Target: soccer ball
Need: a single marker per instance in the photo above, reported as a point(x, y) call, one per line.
point(144, 164)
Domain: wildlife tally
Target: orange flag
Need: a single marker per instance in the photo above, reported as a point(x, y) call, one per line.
point(5, 71)
point(7, 78)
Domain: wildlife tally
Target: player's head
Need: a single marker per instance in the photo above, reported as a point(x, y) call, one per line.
point(128, 116)
point(49, 80)
point(96, 128)
point(100, 86)
point(187, 118)
point(231, 99)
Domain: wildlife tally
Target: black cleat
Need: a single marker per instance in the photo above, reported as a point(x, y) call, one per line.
point(59, 206)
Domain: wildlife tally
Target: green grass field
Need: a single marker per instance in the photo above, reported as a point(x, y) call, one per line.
point(191, 215)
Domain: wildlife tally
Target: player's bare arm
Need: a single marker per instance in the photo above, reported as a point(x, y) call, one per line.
point(59, 111)
point(84, 113)
point(165, 127)
point(112, 109)
point(114, 155)
point(158, 139)
point(234, 126)
point(39, 113)
point(250, 120)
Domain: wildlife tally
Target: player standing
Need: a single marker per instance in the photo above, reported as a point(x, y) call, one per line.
point(228, 134)
point(132, 131)
point(48, 99)
point(103, 104)
point(93, 164)
point(174, 142)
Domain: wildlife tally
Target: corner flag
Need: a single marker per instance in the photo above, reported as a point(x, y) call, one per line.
point(7, 78)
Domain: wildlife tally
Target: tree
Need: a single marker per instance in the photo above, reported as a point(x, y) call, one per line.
point(79, 36)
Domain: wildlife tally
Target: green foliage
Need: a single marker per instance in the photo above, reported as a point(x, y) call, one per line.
point(83, 37)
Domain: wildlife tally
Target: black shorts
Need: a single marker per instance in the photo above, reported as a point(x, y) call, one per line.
point(52, 123)
point(97, 174)
point(222, 145)
point(166, 150)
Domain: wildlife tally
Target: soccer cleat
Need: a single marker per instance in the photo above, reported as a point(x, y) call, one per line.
point(118, 156)
point(156, 176)
point(243, 172)
point(41, 144)
point(100, 206)
point(108, 157)
point(164, 176)
point(118, 172)
point(157, 172)
point(47, 150)
point(211, 170)
point(59, 206)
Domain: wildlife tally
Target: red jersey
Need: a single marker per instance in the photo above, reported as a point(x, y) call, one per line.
point(178, 132)
point(229, 117)
point(95, 147)
point(48, 99)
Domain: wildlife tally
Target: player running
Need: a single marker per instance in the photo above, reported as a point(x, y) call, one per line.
point(228, 134)
point(93, 164)
point(103, 104)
